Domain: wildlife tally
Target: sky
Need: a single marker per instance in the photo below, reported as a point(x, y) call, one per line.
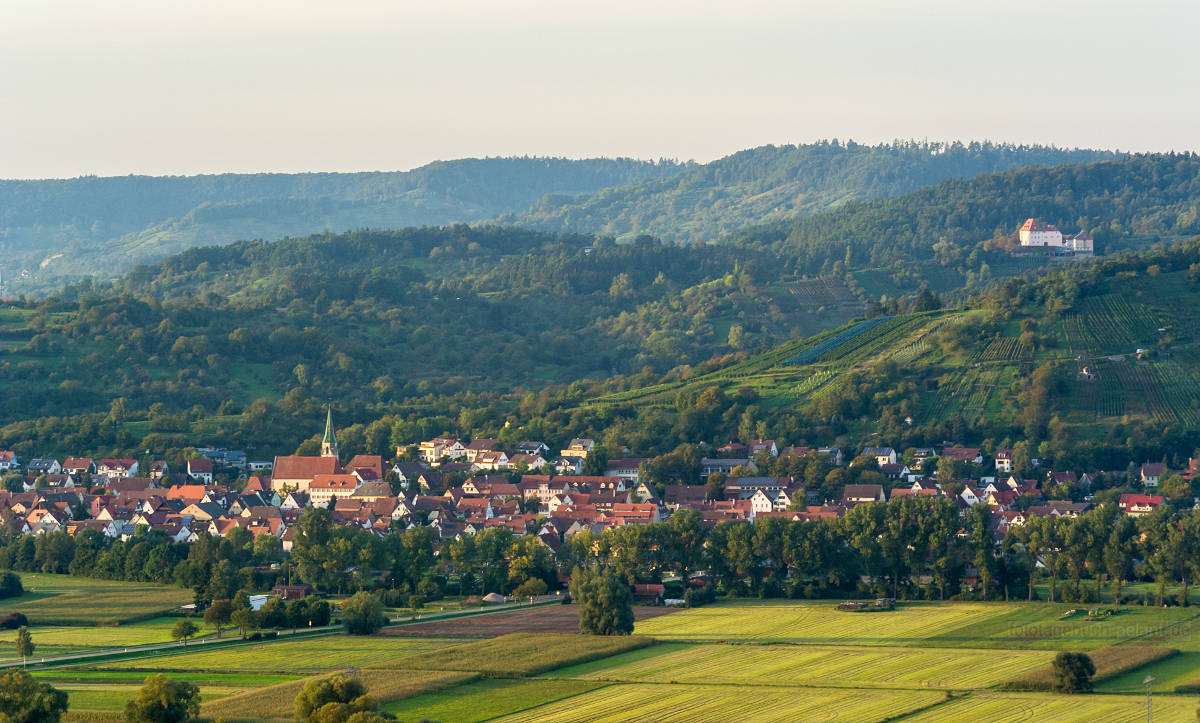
point(185, 87)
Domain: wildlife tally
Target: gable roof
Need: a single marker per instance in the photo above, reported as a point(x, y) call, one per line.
point(295, 467)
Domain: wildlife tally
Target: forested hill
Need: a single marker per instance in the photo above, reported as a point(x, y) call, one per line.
point(770, 183)
point(107, 225)
point(963, 230)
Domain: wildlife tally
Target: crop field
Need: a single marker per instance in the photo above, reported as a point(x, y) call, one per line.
point(277, 702)
point(792, 665)
point(310, 655)
point(113, 696)
point(520, 654)
point(1019, 707)
point(67, 600)
point(666, 703)
point(486, 699)
point(63, 640)
point(815, 623)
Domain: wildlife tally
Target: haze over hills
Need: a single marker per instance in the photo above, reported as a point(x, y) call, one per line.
point(64, 228)
point(106, 225)
point(771, 183)
point(464, 326)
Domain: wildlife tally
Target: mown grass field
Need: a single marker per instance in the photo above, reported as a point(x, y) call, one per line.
point(63, 640)
point(520, 654)
point(485, 699)
point(670, 703)
point(810, 665)
point(305, 656)
point(68, 600)
point(1021, 707)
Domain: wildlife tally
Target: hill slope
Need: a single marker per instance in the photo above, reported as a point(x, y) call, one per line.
point(770, 183)
point(110, 224)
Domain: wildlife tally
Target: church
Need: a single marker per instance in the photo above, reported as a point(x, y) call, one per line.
point(294, 473)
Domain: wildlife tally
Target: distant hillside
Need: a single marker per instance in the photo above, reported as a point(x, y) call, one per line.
point(106, 225)
point(1105, 356)
point(962, 230)
point(771, 183)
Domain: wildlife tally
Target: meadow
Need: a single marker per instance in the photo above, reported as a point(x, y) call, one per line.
point(81, 601)
point(811, 665)
point(64, 640)
point(743, 661)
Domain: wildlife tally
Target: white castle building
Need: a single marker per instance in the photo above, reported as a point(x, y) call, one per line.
point(1034, 234)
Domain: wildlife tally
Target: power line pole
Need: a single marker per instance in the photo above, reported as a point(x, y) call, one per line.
point(1149, 701)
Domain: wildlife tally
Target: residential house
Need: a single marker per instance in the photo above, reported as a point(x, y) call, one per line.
point(43, 465)
point(1004, 460)
point(79, 467)
point(963, 454)
point(325, 487)
point(1153, 473)
point(763, 445)
point(713, 465)
point(858, 494)
point(440, 449)
point(117, 468)
point(8, 461)
point(480, 446)
point(200, 470)
point(882, 455)
point(627, 468)
point(1135, 504)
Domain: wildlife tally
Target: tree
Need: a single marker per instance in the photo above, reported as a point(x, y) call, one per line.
point(605, 603)
point(184, 629)
point(363, 614)
point(219, 614)
point(1073, 673)
point(244, 619)
point(26, 700)
point(25, 644)
point(336, 698)
point(530, 588)
point(162, 700)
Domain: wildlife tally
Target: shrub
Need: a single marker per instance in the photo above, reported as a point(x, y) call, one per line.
point(1073, 673)
point(531, 588)
point(10, 585)
point(12, 621)
point(696, 597)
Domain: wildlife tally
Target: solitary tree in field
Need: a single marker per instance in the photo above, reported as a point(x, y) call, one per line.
point(25, 700)
point(605, 603)
point(363, 614)
point(162, 700)
point(1073, 673)
point(244, 619)
point(336, 698)
point(184, 629)
point(219, 614)
point(25, 644)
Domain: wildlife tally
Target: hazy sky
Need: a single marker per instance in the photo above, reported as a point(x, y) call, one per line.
point(179, 87)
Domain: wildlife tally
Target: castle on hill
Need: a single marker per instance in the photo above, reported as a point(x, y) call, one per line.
point(1047, 236)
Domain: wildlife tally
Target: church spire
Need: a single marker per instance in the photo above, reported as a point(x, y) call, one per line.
point(329, 447)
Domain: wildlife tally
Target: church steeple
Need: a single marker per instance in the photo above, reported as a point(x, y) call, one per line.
point(329, 446)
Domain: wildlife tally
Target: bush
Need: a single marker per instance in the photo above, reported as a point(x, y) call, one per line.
point(10, 585)
point(696, 597)
point(12, 621)
point(162, 700)
point(335, 698)
point(532, 587)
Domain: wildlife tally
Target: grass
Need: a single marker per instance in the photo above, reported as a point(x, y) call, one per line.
point(521, 653)
point(1111, 662)
point(1040, 625)
point(1168, 673)
point(69, 600)
point(277, 702)
point(244, 680)
point(62, 640)
point(816, 622)
point(485, 699)
point(113, 696)
point(1014, 707)
point(809, 665)
point(678, 703)
point(311, 655)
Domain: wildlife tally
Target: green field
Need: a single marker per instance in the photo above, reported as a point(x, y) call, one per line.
point(1014, 707)
point(811, 665)
point(720, 703)
point(485, 699)
point(69, 600)
point(63, 640)
point(306, 656)
point(731, 661)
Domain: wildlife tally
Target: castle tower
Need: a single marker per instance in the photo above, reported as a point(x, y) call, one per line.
point(329, 446)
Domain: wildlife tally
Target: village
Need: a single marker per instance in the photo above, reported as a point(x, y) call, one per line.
point(527, 490)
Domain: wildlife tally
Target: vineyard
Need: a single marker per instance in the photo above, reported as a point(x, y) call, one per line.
point(1110, 324)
